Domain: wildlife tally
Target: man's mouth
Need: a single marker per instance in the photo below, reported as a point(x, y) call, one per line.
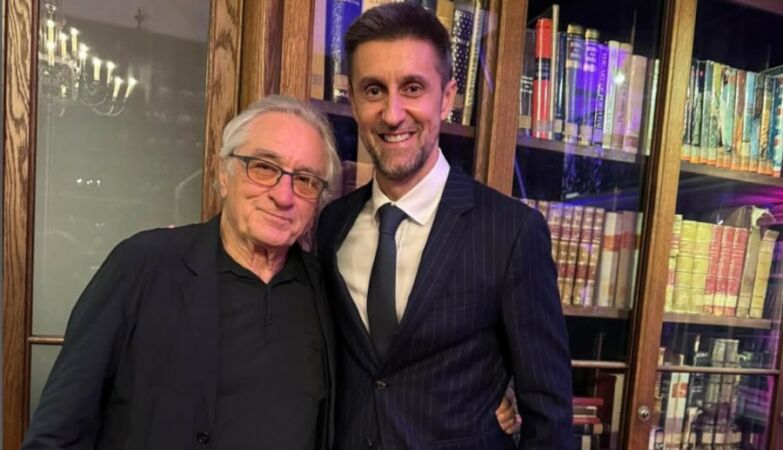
point(394, 138)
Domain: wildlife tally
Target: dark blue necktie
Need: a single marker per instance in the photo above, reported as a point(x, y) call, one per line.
point(381, 310)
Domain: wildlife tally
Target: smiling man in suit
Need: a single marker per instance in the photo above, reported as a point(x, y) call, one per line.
point(461, 294)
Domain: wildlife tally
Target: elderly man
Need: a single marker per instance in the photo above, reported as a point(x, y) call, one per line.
point(214, 335)
point(461, 295)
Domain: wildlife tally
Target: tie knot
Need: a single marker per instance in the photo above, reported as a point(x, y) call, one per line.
point(390, 217)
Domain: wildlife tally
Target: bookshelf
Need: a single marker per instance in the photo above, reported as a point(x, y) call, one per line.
point(644, 183)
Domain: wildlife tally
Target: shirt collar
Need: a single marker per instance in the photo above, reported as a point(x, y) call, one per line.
point(420, 202)
point(293, 269)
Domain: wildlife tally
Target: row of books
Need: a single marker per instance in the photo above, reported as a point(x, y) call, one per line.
point(580, 90)
point(734, 118)
point(698, 410)
point(463, 18)
point(597, 418)
point(719, 270)
point(596, 252)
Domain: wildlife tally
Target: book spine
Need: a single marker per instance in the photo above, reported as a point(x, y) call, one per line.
point(471, 80)
point(776, 127)
point(559, 100)
point(600, 93)
point(525, 123)
point(701, 255)
point(583, 256)
point(687, 129)
point(712, 270)
point(318, 69)
point(706, 115)
point(542, 125)
point(683, 279)
point(766, 250)
point(555, 220)
point(460, 51)
point(716, 125)
point(588, 299)
point(739, 121)
point(572, 253)
point(566, 231)
point(765, 152)
point(574, 60)
point(726, 105)
point(341, 13)
point(697, 117)
point(738, 248)
point(746, 155)
point(610, 252)
point(673, 254)
point(756, 157)
point(621, 96)
point(633, 114)
point(749, 272)
point(722, 283)
point(627, 226)
point(611, 92)
point(588, 87)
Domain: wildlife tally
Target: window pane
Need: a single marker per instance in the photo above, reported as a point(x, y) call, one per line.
point(120, 138)
point(42, 359)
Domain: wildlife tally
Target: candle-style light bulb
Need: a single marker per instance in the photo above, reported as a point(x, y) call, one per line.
point(109, 70)
point(117, 83)
point(96, 68)
point(74, 42)
point(49, 31)
point(132, 82)
point(63, 46)
point(50, 46)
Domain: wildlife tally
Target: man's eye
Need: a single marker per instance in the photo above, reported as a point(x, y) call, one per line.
point(263, 167)
point(372, 91)
point(414, 89)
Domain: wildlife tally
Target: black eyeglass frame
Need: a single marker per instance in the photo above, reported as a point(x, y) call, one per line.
point(280, 173)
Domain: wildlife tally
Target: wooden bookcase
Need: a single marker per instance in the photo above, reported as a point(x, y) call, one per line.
point(656, 190)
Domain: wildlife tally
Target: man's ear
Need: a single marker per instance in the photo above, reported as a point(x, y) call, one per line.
point(222, 177)
point(447, 102)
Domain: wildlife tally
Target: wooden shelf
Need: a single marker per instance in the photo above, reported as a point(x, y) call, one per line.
point(734, 175)
point(581, 150)
point(344, 110)
point(589, 364)
point(719, 370)
point(595, 311)
point(703, 319)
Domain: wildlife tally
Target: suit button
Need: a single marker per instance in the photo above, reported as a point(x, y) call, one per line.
point(202, 438)
point(380, 385)
point(369, 442)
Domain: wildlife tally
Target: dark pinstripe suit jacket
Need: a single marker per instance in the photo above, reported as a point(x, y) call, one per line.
point(484, 307)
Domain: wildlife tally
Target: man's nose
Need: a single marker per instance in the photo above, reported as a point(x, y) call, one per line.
point(282, 193)
point(393, 110)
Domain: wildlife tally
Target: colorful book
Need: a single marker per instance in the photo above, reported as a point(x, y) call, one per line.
point(600, 93)
point(588, 86)
point(611, 92)
point(610, 256)
point(575, 42)
point(341, 14)
point(471, 82)
point(542, 123)
point(622, 80)
point(635, 101)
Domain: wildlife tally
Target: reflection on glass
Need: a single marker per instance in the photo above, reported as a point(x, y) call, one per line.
point(42, 359)
point(121, 116)
point(705, 410)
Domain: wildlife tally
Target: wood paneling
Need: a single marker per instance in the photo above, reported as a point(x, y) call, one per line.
point(222, 89)
point(297, 48)
point(18, 187)
point(261, 46)
point(660, 197)
point(496, 128)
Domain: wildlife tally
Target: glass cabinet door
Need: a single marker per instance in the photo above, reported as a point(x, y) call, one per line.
point(719, 356)
point(119, 142)
point(586, 116)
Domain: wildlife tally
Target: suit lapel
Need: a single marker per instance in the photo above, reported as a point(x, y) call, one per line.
point(200, 295)
point(356, 333)
point(443, 243)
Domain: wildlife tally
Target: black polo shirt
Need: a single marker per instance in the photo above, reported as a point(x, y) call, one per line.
point(271, 385)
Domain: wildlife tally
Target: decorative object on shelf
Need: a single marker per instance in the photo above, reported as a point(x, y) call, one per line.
point(68, 72)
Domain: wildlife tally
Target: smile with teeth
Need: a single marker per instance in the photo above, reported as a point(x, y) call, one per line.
point(396, 137)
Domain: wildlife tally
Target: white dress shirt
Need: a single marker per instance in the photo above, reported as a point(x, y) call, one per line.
point(357, 252)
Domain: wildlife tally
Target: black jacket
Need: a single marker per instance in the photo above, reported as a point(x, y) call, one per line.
point(139, 366)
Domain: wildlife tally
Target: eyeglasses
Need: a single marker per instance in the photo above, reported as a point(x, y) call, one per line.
point(265, 173)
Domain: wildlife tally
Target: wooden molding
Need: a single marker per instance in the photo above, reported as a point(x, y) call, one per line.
point(18, 185)
point(297, 48)
point(261, 47)
point(496, 127)
point(660, 199)
point(222, 90)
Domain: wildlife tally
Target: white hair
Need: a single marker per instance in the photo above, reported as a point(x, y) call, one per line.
point(235, 136)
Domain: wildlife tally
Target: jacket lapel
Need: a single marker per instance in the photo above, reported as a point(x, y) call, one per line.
point(443, 243)
point(356, 333)
point(200, 294)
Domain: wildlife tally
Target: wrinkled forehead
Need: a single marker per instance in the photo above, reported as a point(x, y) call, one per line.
point(287, 140)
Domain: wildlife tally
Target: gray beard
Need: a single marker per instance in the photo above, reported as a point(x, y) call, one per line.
point(398, 173)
